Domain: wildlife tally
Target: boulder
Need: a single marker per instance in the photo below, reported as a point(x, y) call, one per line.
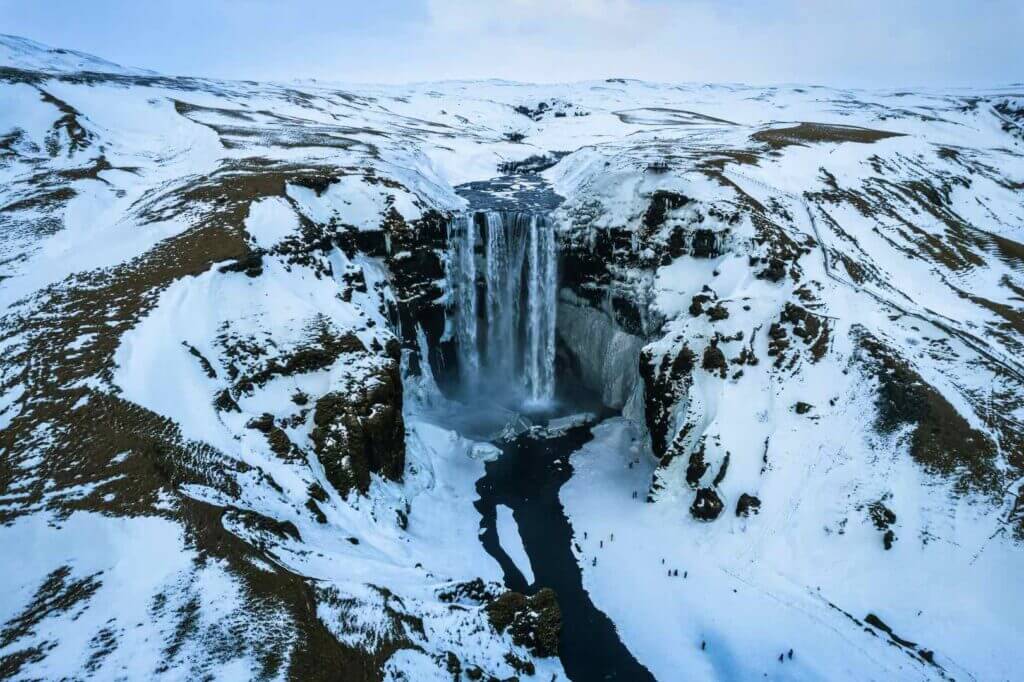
point(707, 505)
point(534, 622)
point(748, 505)
point(714, 360)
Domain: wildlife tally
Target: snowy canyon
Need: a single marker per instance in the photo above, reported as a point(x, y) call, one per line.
point(491, 380)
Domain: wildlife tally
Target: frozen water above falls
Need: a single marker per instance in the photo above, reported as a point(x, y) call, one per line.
point(503, 286)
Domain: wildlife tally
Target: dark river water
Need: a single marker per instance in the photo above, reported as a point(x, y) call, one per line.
point(527, 479)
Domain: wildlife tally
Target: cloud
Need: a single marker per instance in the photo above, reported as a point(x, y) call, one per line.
point(862, 43)
point(531, 17)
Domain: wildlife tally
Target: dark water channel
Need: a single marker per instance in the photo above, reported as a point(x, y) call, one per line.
point(530, 472)
point(527, 479)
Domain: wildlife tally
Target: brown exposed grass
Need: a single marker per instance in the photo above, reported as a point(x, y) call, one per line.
point(70, 434)
point(942, 440)
point(812, 133)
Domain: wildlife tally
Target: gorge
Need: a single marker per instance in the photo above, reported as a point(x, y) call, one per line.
point(311, 381)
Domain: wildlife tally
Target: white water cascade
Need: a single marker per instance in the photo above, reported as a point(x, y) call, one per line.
point(462, 302)
point(511, 341)
point(541, 303)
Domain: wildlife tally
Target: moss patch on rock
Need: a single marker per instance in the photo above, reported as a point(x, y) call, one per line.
point(360, 430)
point(534, 622)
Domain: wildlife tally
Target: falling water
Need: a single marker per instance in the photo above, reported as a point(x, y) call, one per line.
point(541, 299)
point(462, 288)
point(504, 253)
point(521, 283)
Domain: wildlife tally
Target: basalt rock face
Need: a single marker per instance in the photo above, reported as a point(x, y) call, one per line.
point(665, 382)
point(414, 253)
point(604, 313)
point(592, 264)
point(662, 201)
point(607, 309)
point(360, 430)
point(416, 263)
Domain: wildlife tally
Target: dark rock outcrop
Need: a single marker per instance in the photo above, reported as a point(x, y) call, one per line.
point(474, 591)
point(664, 383)
point(705, 244)
point(697, 304)
point(696, 467)
point(748, 505)
point(251, 264)
point(360, 431)
point(662, 201)
point(718, 313)
point(809, 327)
point(590, 267)
point(278, 440)
point(883, 518)
point(714, 360)
point(534, 622)
point(707, 505)
point(775, 271)
point(317, 183)
point(531, 164)
point(416, 263)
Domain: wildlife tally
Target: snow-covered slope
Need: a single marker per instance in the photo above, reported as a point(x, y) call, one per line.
point(217, 298)
point(22, 53)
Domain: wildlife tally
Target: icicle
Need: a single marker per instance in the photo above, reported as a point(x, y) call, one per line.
point(426, 371)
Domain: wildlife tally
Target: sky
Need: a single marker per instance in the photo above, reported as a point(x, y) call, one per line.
point(851, 43)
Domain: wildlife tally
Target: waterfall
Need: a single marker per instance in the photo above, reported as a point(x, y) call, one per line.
point(541, 301)
point(504, 253)
point(520, 277)
point(462, 291)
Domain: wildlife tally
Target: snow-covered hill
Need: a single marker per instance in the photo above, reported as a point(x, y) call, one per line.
point(224, 305)
point(23, 53)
